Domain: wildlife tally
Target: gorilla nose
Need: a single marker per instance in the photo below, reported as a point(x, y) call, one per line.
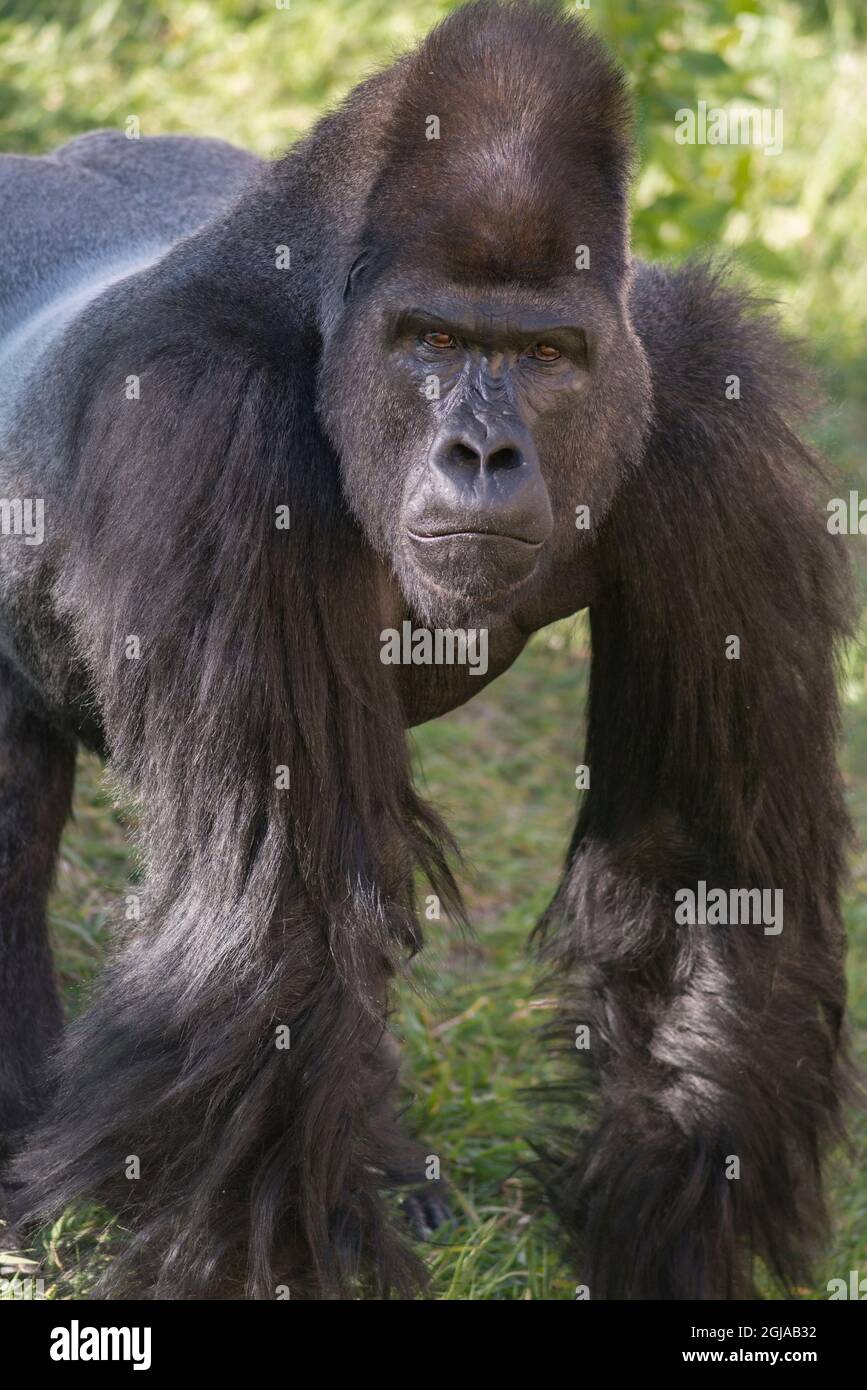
point(486, 483)
point(459, 452)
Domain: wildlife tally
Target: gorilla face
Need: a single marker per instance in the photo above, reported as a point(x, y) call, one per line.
point(471, 424)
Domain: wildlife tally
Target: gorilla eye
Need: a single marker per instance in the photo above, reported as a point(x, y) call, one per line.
point(543, 352)
point(439, 340)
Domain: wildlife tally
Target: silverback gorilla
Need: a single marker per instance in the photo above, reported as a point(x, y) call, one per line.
point(425, 344)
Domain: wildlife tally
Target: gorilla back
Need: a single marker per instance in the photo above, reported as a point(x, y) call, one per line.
point(99, 211)
point(421, 340)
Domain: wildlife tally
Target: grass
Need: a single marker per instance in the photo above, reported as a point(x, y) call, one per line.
point(502, 768)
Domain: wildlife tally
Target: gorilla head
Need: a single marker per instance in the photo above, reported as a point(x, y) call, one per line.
point(482, 379)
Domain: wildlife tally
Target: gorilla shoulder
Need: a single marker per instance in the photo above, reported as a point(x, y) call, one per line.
point(711, 343)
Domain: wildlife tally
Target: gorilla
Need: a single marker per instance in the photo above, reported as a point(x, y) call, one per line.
point(255, 414)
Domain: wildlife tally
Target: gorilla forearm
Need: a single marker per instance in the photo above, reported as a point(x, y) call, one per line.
point(36, 776)
point(711, 1044)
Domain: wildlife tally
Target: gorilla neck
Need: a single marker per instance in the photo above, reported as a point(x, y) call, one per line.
point(427, 692)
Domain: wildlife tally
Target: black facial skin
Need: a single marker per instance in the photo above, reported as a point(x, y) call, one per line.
point(493, 415)
point(481, 502)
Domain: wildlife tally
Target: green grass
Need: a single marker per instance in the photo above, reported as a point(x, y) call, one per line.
point(502, 768)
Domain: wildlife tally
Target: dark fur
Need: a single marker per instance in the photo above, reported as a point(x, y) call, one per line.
point(260, 648)
point(708, 1041)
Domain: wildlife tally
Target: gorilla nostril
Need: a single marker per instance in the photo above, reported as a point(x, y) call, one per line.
point(506, 457)
point(461, 455)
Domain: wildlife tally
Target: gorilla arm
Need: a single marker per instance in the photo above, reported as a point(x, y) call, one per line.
point(709, 761)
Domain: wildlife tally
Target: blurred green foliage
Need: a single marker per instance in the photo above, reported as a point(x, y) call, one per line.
point(260, 71)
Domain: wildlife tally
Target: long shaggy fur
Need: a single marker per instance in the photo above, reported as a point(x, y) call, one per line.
point(261, 907)
point(266, 907)
point(707, 1042)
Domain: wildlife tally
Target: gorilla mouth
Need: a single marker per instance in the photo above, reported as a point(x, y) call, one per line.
point(482, 565)
point(427, 538)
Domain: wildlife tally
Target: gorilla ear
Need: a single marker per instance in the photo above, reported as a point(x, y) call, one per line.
point(356, 270)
